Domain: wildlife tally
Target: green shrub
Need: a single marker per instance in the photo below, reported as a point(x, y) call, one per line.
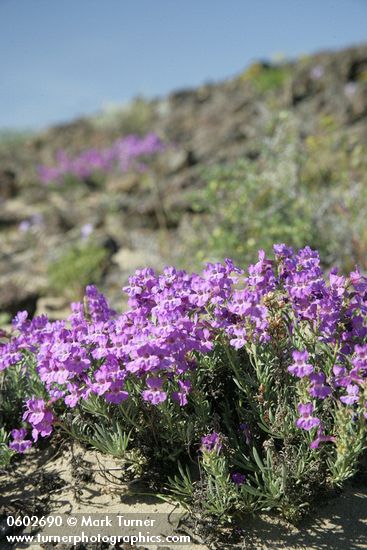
point(78, 265)
point(11, 138)
point(135, 118)
point(266, 78)
point(298, 192)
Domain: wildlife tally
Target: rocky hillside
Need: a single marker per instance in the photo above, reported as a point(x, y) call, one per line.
point(140, 219)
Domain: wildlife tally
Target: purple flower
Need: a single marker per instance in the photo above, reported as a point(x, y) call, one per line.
point(19, 443)
point(238, 478)
point(317, 72)
point(341, 377)
point(239, 336)
point(359, 362)
point(318, 387)
point(181, 396)
point(321, 438)
point(20, 321)
point(75, 393)
point(103, 380)
point(36, 411)
point(116, 394)
point(300, 367)
point(307, 421)
point(10, 355)
point(352, 395)
point(24, 226)
point(86, 230)
point(154, 394)
point(283, 251)
point(211, 442)
point(40, 418)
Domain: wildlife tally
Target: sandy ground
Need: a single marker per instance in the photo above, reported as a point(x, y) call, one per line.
point(73, 481)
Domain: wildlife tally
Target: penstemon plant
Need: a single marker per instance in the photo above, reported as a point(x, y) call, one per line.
point(125, 153)
point(236, 392)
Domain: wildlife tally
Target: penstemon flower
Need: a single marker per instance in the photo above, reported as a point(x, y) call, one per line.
point(211, 443)
point(40, 418)
point(238, 478)
point(307, 421)
point(318, 387)
point(321, 438)
point(154, 394)
point(352, 395)
point(122, 155)
point(19, 443)
point(181, 395)
point(300, 367)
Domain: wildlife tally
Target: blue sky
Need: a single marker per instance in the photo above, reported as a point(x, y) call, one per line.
point(63, 58)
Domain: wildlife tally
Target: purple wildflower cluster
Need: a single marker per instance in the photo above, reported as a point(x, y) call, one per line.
point(174, 317)
point(125, 153)
point(19, 444)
